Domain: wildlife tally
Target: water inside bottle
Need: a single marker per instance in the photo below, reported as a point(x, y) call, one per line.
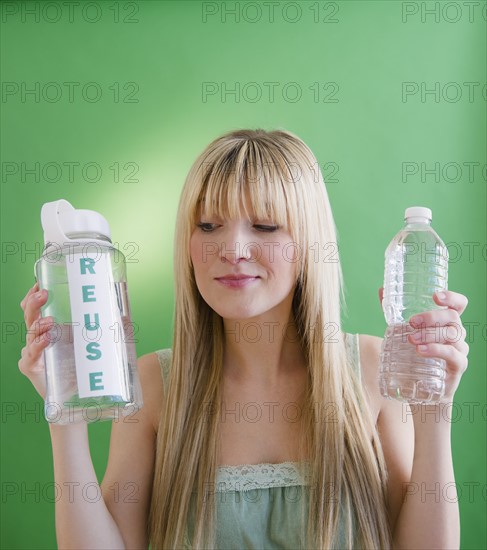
point(406, 375)
point(63, 403)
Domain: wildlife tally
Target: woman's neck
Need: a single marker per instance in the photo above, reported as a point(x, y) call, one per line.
point(262, 349)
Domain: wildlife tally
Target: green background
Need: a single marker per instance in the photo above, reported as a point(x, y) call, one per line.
point(349, 60)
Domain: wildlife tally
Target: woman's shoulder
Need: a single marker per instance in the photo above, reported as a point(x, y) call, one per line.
point(369, 344)
point(149, 370)
point(364, 349)
point(369, 347)
point(154, 360)
point(164, 357)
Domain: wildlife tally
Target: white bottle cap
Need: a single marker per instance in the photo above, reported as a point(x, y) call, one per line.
point(59, 218)
point(418, 212)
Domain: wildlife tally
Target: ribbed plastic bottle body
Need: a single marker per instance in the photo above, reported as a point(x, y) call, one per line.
point(98, 335)
point(416, 266)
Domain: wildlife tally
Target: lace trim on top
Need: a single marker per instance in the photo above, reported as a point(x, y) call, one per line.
point(246, 477)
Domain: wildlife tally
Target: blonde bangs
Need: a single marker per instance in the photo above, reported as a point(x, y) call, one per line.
point(247, 181)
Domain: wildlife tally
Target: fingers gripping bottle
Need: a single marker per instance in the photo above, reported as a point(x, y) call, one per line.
point(91, 362)
point(416, 266)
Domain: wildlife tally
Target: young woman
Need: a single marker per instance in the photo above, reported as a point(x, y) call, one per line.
point(263, 427)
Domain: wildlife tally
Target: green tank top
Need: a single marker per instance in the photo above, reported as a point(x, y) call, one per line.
point(259, 505)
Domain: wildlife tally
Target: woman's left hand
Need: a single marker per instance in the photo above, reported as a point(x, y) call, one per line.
point(439, 333)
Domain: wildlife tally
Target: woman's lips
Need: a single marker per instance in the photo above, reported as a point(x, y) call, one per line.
point(236, 283)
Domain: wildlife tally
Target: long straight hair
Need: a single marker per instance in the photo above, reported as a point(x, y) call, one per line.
point(347, 503)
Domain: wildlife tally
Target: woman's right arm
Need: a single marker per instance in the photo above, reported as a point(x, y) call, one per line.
point(87, 515)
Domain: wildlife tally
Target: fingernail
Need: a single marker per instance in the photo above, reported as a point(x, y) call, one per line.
point(417, 321)
point(39, 295)
point(441, 295)
point(422, 347)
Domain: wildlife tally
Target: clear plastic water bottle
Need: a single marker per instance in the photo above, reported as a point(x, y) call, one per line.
point(91, 361)
point(416, 266)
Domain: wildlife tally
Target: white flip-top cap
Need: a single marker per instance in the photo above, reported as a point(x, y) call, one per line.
point(418, 212)
point(59, 218)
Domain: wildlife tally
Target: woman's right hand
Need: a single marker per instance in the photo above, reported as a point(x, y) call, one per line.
point(31, 362)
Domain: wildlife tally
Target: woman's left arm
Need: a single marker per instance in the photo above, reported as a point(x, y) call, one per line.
point(423, 503)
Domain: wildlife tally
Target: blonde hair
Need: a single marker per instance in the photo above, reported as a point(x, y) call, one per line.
point(285, 184)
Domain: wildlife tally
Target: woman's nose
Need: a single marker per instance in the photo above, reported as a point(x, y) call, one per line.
point(237, 245)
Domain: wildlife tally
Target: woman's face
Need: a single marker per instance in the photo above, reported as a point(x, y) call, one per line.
point(256, 249)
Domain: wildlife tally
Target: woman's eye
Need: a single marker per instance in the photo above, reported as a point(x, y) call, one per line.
point(206, 227)
point(266, 227)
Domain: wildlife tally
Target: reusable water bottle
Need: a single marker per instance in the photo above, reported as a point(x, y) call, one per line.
point(416, 266)
point(91, 361)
